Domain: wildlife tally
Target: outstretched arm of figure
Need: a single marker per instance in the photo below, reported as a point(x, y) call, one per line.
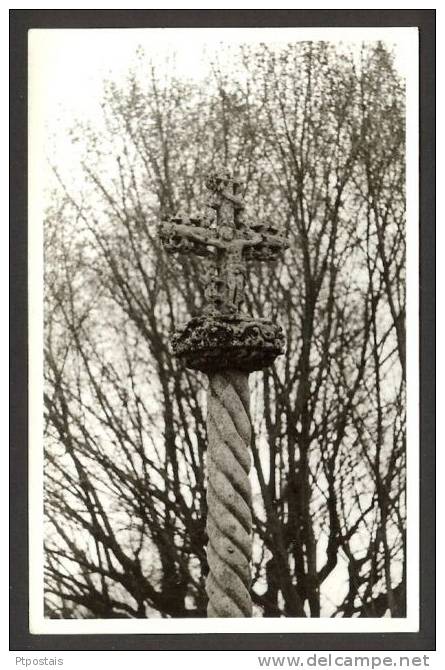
point(253, 240)
point(195, 234)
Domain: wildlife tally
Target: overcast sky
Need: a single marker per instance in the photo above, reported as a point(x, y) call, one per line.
point(67, 67)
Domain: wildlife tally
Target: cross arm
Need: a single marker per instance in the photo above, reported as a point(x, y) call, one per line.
point(182, 237)
point(272, 241)
point(196, 234)
point(265, 247)
point(275, 241)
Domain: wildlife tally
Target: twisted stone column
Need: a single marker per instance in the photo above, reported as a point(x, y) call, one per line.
point(229, 520)
point(227, 348)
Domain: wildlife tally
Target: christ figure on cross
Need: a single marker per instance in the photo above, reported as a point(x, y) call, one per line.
point(226, 245)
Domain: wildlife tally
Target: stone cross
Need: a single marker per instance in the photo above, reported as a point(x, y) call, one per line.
point(227, 345)
point(228, 240)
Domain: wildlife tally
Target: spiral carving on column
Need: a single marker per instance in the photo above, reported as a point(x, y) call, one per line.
point(229, 521)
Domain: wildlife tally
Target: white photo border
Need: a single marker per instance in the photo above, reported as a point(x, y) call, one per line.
point(408, 40)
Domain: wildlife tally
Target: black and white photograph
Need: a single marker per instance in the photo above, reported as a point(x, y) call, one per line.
point(223, 258)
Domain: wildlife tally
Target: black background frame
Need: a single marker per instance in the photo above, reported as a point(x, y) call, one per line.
point(20, 22)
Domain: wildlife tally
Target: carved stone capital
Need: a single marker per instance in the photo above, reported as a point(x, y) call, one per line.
point(211, 343)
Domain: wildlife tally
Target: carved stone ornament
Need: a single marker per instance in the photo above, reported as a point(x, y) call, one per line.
point(223, 337)
point(221, 342)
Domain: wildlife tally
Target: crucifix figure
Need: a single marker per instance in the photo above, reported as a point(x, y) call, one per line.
point(229, 242)
point(227, 345)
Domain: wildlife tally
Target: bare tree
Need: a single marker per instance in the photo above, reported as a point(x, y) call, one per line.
point(318, 135)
